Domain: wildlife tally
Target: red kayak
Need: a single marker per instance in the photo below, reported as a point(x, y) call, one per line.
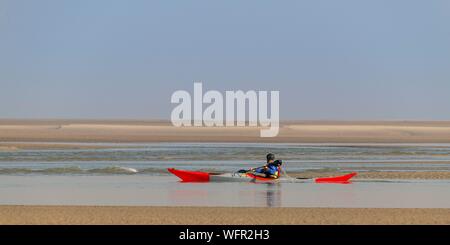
point(197, 176)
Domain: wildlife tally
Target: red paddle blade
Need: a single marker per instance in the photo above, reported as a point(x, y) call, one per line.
point(190, 176)
point(336, 179)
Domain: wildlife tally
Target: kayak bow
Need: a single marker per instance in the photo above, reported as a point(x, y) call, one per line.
point(190, 176)
point(197, 176)
point(336, 179)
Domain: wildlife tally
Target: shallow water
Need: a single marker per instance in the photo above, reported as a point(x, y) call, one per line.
point(154, 158)
point(135, 174)
point(139, 190)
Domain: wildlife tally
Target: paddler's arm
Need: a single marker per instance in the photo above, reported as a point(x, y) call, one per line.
point(243, 171)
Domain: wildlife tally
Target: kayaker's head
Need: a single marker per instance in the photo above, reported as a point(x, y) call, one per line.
point(270, 158)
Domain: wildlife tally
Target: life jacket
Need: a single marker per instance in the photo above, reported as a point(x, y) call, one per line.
point(271, 170)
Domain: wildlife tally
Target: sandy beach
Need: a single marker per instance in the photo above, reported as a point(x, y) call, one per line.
point(159, 131)
point(216, 215)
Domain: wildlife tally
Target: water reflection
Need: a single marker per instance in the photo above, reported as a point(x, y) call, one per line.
point(273, 195)
point(232, 194)
point(268, 194)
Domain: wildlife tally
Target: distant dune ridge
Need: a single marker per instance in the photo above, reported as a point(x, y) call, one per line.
point(160, 131)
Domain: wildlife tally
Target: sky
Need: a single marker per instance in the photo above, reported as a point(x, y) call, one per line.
point(330, 60)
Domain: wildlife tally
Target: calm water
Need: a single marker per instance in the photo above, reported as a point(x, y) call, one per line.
point(134, 174)
point(145, 190)
point(146, 159)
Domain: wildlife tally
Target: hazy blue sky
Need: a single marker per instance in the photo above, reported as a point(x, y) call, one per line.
point(123, 59)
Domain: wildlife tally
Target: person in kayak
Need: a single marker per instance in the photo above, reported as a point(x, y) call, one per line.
point(271, 169)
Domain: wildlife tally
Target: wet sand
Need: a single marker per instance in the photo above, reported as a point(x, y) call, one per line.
point(401, 175)
point(216, 215)
point(430, 175)
point(160, 131)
